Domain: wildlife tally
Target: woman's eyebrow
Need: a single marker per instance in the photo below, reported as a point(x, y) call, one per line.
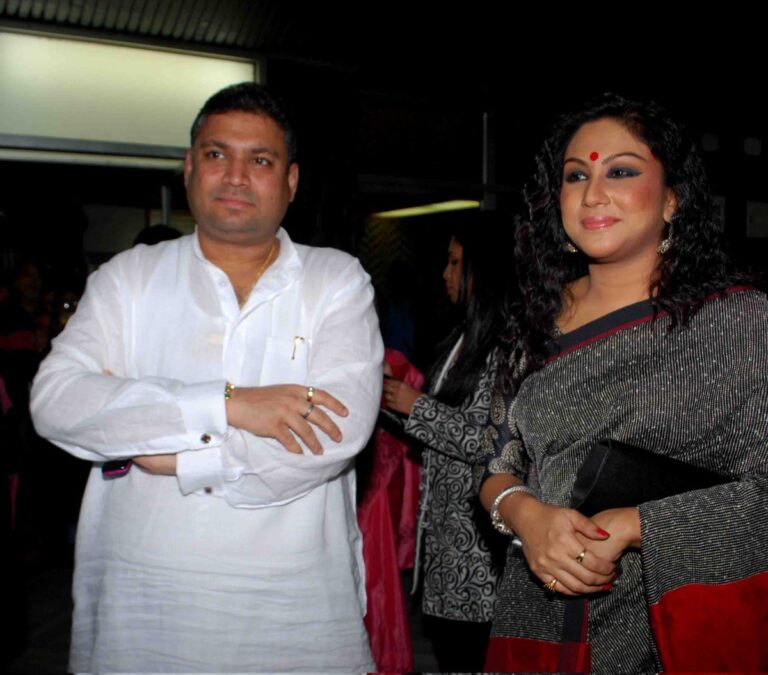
point(609, 158)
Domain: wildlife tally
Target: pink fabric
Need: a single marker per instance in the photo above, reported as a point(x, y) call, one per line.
point(387, 517)
point(5, 402)
point(13, 478)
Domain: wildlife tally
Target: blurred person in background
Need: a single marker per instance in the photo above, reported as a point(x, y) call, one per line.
point(459, 556)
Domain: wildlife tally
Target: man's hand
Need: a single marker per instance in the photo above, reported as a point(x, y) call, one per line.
point(280, 411)
point(160, 465)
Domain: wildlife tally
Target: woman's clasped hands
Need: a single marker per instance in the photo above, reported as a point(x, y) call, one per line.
point(570, 553)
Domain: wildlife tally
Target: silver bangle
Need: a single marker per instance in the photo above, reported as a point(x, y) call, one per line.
point(496, 520)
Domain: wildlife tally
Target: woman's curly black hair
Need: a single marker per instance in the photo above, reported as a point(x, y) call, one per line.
point(693, 268)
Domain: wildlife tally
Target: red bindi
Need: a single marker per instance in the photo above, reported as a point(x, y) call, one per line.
point(593, 156)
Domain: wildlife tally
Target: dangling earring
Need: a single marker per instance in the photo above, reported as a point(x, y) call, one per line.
point(666, 243)
point(568, 247)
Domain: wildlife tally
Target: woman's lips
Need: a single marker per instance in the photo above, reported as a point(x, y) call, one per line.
point(598, 223)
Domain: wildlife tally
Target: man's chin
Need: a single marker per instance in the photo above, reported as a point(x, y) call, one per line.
point(237, 232)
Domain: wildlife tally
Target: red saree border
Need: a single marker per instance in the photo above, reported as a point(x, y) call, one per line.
point(715, 628)
point(509, 655)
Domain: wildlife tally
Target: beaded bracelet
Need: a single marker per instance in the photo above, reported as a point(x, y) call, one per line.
point(229, 389)
point(496, 519)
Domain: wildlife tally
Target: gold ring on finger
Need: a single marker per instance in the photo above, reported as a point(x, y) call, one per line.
point(551, 585)
point(310, 393)
point(580, 557)
point(310, 408)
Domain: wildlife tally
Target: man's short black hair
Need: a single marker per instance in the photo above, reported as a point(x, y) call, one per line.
point(253, 98)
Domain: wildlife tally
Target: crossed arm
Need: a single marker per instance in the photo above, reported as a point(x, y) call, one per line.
point(277, 412)
point(245, 449)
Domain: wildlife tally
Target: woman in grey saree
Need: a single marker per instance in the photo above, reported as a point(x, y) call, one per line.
point(643, 339)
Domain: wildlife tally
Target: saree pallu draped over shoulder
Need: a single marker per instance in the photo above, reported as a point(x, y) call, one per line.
point(695, 596)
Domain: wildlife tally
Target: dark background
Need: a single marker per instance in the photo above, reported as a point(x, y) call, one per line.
point(390, 99)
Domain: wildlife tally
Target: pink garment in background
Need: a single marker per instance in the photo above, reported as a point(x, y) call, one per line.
point(387, 517)
point(13, 478)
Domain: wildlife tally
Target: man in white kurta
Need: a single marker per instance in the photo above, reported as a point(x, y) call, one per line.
point(220, 550)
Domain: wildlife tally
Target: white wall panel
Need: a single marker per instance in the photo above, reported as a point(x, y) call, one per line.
point(77, 90)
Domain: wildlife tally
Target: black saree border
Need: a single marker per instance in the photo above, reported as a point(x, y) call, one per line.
point(617, 321)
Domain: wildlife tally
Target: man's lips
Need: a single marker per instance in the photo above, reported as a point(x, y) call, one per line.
point(234, 201)
point(598, 222)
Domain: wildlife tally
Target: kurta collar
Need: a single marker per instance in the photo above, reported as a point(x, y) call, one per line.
point(280, 274)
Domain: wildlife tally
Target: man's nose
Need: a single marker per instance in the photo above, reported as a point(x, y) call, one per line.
point(237, 172)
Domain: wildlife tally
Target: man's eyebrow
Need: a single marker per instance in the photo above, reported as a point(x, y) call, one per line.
point(255, 150)
point(213, 143)
point(264, 149)
point(609, 158)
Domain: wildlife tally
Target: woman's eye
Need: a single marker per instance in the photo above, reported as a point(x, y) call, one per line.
point(622, 172)
point(574, 176)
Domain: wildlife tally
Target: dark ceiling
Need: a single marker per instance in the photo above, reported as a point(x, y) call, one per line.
point(390, 96)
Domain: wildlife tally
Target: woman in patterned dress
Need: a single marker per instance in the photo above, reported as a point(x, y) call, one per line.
point(630, 328)
point(458, 554)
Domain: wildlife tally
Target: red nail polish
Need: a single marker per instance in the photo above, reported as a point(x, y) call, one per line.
point(607, 587)
point(602, 532)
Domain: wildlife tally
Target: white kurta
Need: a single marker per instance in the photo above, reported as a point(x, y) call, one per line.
point(250, 559)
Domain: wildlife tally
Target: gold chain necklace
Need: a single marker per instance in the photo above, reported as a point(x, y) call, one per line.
point(261, 271)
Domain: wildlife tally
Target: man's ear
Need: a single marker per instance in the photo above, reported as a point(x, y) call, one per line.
point(293, 178)
point(187, 166)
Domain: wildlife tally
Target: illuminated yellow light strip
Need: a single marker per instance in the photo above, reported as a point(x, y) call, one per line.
point(427, 209)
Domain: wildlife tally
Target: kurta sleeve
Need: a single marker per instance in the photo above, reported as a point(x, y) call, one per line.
point(78, 404)
point(346, 359)
point(455, 431)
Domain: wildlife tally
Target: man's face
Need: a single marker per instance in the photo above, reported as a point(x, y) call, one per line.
point(238, 179)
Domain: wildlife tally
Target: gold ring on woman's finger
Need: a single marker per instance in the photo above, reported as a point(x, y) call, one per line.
point(580, 557)
point(310, 408)
point(310, 393)
point(551, 585)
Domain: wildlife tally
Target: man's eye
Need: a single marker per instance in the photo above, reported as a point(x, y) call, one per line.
point(622, 172)
point(574, 176)
point(262, 161)
point(214, 154)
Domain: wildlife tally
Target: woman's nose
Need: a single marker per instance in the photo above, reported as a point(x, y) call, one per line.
point(595, 193)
